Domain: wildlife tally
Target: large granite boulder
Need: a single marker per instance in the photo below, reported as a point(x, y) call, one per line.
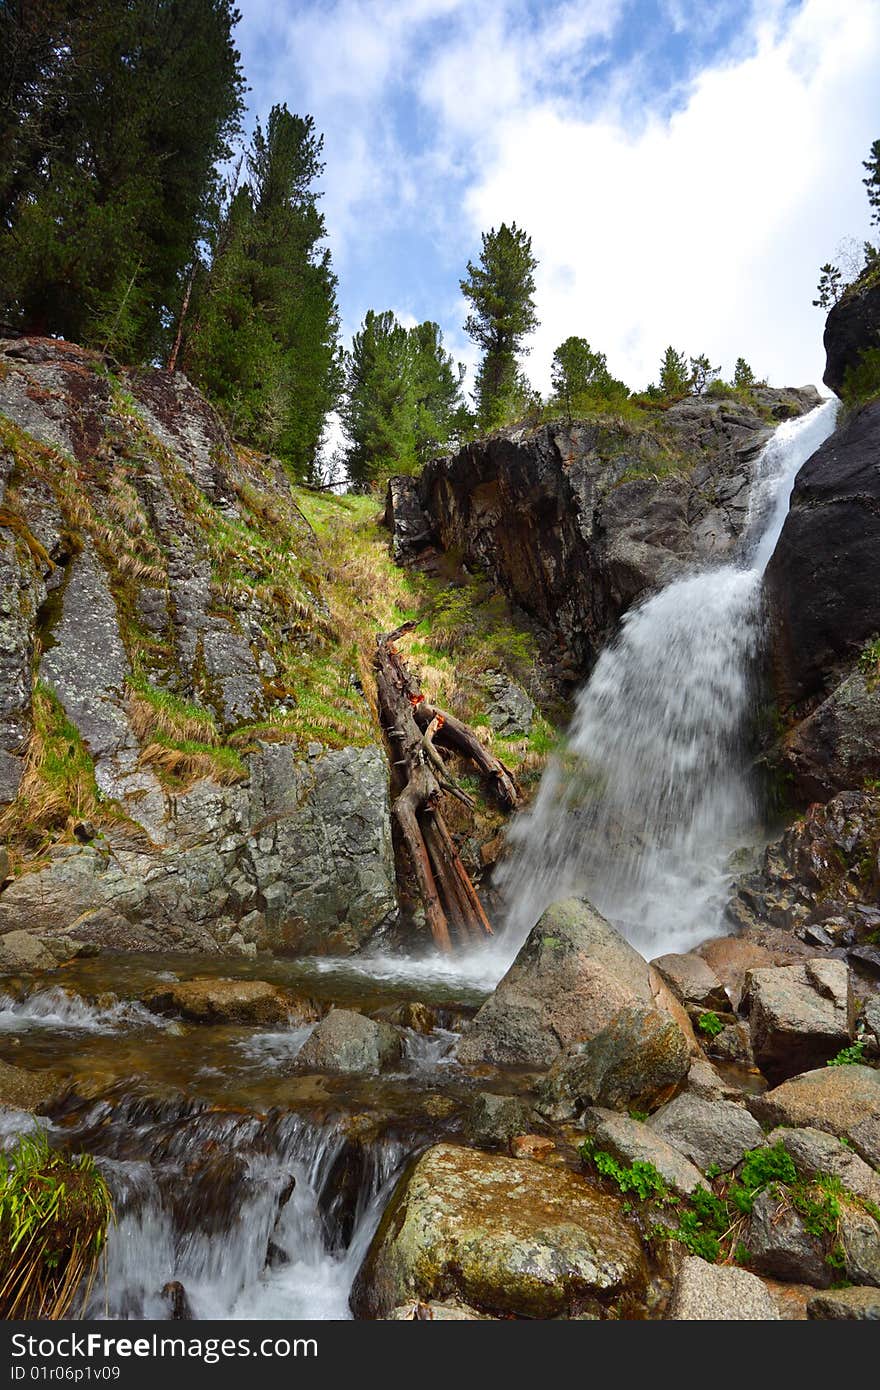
point(639, 1061)
point(503, 1235)
point(571, 978)
point(719, 1293)
point(799, 1015)
point(714, 1133)
point(632, 1141)
point(835, 1099)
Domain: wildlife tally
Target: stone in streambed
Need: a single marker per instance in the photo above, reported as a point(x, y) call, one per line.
point(21, 950)
point(637, 1062)
point(502, 1235)
point(570, 979)
point(492, 1121)
point(348, 1042)
point(631, 1141)
point(799, 1015)
point(857, 1304)
point(834, 1099)
point(692, 981)
point(709, 1132)
point(719, 1293)
point(29, 1090)
point(251, 1002)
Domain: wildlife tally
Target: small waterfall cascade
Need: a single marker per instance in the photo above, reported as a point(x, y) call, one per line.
point(653, 789)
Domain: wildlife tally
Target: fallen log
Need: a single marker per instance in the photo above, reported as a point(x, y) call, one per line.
point(414, 729)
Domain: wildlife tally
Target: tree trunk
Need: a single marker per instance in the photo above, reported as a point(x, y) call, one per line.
point(450, 900)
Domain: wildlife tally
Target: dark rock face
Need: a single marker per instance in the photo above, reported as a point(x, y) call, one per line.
point(575, 522)
point(823, 582)
point(852, 326)
point(819, 880)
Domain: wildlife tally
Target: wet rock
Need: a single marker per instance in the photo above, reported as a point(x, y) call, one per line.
point(710, 1133)
point(631, 1141)
point(511, 711)
point(860, 1241)
point(823, 581)
point(833, 1099)
point(780, 1245)
point(436, 1312)
point(29, 1090)
point(692, 981)
point(569, 980)
point(732, 1044)
point(348, 1042)
point(852, 326)
point(503, 1235)
point(175, 1296)
point(837, 744)
point(814, 1152)
point(21, 950)
point(704, 1082)
point(224, 1001)
point(719, 1293)
point(799, 1015)
point(533, 1146)
point(491, 1121)
point(637, 1062)
point(732, 957)
point(857, 1304)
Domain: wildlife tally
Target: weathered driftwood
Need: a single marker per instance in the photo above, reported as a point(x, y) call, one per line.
point(415, 729)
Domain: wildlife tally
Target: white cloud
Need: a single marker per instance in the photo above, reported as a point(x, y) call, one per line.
point(705, 229)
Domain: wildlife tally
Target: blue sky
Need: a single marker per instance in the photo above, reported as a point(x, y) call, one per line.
point(683, 166)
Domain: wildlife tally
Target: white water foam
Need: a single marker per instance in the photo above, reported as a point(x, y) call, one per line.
point(55, 1008)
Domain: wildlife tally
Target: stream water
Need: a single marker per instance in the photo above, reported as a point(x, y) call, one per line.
point(244, 1189)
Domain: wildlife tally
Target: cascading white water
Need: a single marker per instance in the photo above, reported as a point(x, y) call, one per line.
point(653, 789)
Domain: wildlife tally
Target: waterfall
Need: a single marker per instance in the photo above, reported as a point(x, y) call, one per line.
point(653, 789)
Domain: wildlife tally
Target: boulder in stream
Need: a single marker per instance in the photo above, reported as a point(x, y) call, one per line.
point(348, 1042)
point(501, 1235)
point(251, 1002)
point(638, 1061)
point(572, 976)
point(799, 1015)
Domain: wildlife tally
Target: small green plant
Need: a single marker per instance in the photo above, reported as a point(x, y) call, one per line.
point(54, 1214)
point(710, 1024)
point(641, 1178)
point(849, 1056)
point(640, 1115)
point(869, 662)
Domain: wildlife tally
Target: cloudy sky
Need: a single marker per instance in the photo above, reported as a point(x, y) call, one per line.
point(682, 166)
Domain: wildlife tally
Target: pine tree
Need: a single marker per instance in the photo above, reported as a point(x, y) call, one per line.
point(743, 376)
point(501, 290)
point(829, 289)
point(113, 118)
point(702, 374)
point(872, 182)
point(580, 377)
point(262, 337)
point(675, 376)
point(441, 417)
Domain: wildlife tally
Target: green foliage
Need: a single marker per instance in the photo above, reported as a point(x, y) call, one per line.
point(402, 400)
point(114, 118)
point(500, 289)
point(261, 337)
point(849, 1056)
point(872, 182)
point(861, 381)
point(702, 374)
point(830, 287)
point(710, 1024)
point(641, 1178)
point(581, 380)
point(54, 1214)
point(743, 376)
point(869, 662)
point(675, 376)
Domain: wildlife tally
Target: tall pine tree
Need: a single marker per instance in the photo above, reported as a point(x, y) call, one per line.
point(263, 328)
point(113, 118)
point(501, 288)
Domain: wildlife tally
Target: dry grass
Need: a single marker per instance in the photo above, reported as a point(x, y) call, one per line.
point(178, 767)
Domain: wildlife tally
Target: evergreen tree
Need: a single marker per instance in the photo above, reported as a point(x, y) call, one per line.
point(743, 376)
point(702, 373)
point(580, 377)
point(402, 401)
point(675, 377)
point(829, 288)
point(872, 182)
point(113, 118)
point(501, 290)
point(262, 337)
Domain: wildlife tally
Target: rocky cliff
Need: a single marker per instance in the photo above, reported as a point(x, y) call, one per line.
point(168, 774)
point(823, 585)
point(575, 522)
